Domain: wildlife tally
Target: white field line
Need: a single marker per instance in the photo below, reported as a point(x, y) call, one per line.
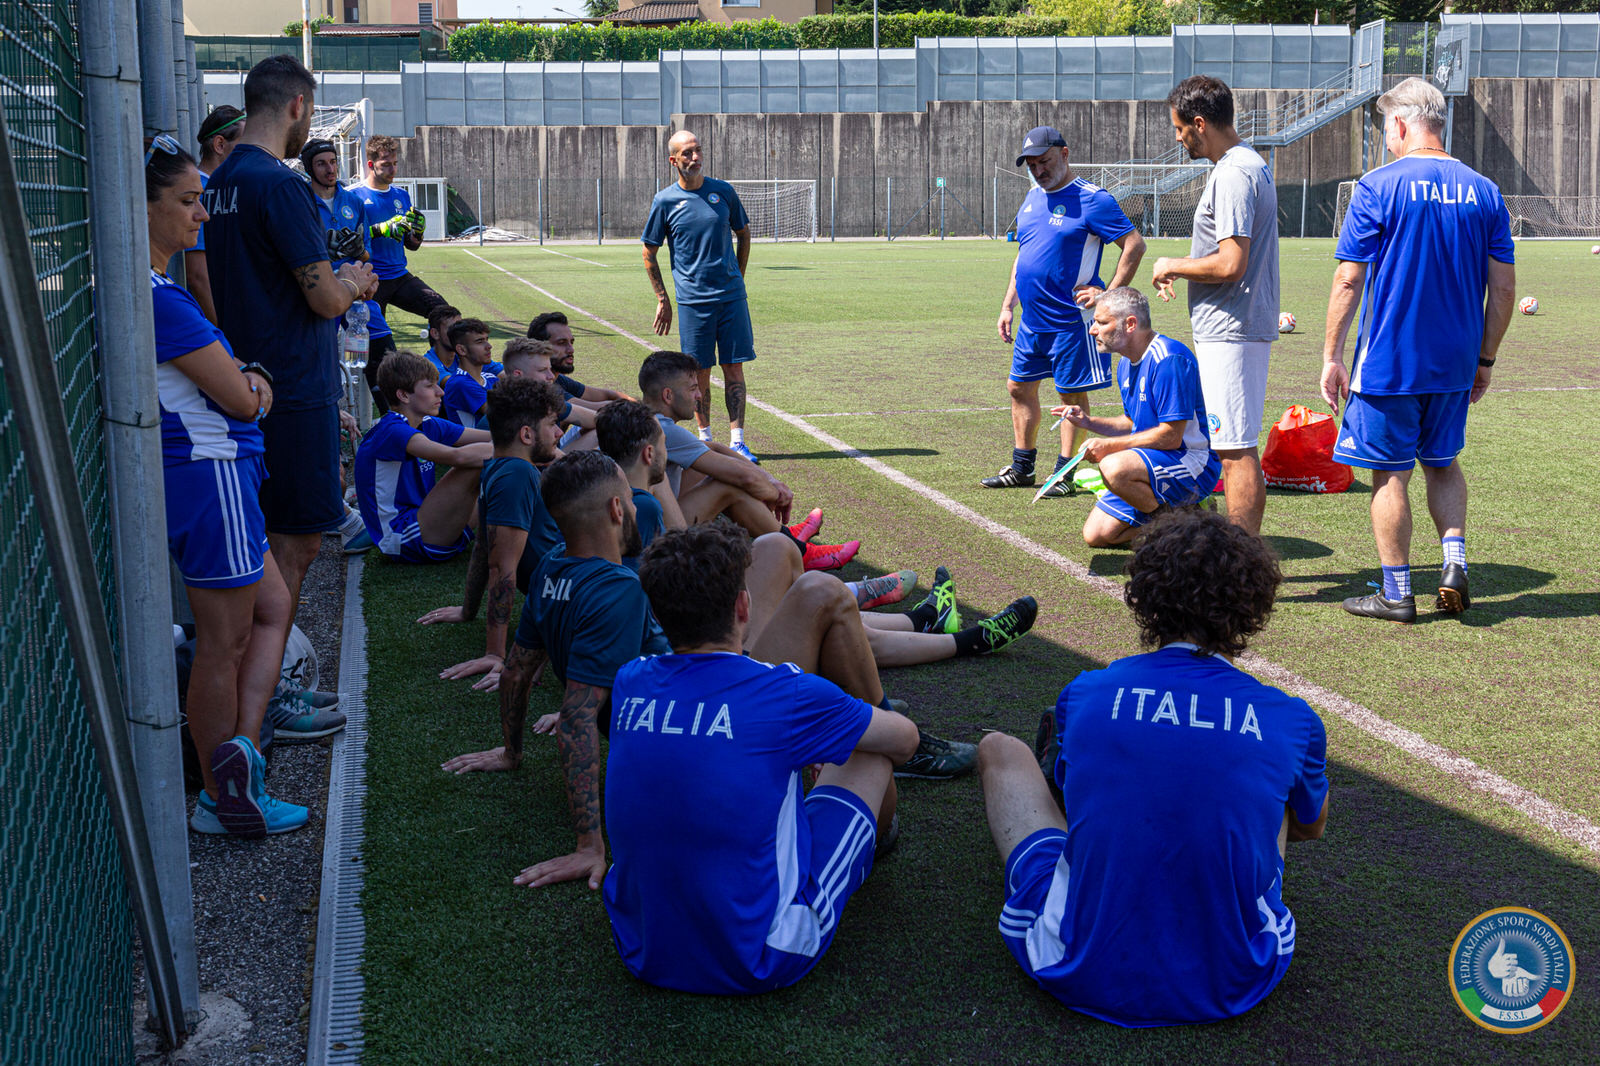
point(1556, 819)
point(886, 414)
point(564, 255)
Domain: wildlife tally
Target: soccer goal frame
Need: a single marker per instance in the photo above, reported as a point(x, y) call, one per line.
point(780, 209)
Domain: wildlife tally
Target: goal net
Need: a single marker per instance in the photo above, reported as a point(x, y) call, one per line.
point(1158, 198)
point(780, 210)
point(1341, 204)
point(1532, 217)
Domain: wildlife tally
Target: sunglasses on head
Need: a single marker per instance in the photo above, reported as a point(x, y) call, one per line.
point(165, 143)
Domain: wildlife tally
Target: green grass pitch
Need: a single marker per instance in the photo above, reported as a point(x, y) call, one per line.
point(891, 348)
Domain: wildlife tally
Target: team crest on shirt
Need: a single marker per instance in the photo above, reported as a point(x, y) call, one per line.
point(714, 198)
point(1216, 423)
point(347, 212)
point(1059, 209)
point(1511, 970)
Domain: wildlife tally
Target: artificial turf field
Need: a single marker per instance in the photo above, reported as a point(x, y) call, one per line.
point(891, 350)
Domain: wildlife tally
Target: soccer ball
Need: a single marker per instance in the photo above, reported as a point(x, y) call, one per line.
point(1594, 249)
point(1286, 322)
point(1528, 305)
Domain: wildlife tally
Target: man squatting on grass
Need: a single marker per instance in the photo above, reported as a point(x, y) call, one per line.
point(1157, 898)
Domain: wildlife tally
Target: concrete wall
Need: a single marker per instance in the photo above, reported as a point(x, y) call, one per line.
point(1532, 136)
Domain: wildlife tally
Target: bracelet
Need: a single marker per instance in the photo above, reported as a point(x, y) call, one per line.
point(1485, 362)
point(354, 288)
point(257, 369)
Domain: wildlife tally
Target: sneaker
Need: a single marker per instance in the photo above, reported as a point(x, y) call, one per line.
point(322, 701)
point(942, 599)
point(295, 720)
point(1001, 629)
point(881, 591)
point(744, 453)
point(236, 810)
point(352, 523)
point(939, 759)
point(830, 556)
point(1375, 606)
point(1063, 488)
point(280, 817)
point(1046, 745)
point(361, 542)
point(890, 838)
point(804, 530)
point(1008, 478)
point(1453, 598)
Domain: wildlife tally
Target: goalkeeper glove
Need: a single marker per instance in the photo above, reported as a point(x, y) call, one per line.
point(419, 225)
point(346, 244)
point(397, 228)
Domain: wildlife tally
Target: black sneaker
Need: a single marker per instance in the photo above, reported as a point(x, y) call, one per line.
point(939, 759)
point(1008, 478)
point(1046, 745)
point(942, 598)
point(1375, 606)
point(1453, 598)
point(1001, 629)
point(890, 838)
point(1063, 488)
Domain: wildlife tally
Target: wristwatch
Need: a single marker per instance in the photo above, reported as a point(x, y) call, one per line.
point(258, 369)
point(1485, 362)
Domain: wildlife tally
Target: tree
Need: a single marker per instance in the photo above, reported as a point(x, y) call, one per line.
point(293, 28)
point(599, 9)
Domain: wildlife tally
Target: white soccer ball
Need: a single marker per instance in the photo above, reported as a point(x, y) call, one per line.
point(300, 660)
point(1286, 322)
point(1528, 305)
point(1594, 249)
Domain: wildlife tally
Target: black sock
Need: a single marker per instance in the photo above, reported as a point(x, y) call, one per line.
point(1022, 459)
point(796, 541)
point(923, 615)
point(970, 642)
point(1061, 461)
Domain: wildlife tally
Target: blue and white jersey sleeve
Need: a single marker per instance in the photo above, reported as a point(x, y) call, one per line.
point(464, 399)
point(192, 426)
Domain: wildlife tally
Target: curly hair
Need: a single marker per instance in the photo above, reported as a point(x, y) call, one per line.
point(693, 578)
point(517, 402)
point(381, 144)
point(1195, 576)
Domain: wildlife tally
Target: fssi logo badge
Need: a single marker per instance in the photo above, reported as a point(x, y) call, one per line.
point(1511, 970)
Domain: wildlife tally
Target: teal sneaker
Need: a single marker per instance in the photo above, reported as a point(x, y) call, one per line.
point(279, 817)
point(322, 701)
point(1001, 629)
point(297, 720)
point(942, 599)
point(235, 810)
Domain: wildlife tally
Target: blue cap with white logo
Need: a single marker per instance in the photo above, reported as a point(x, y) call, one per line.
point(1038, 140)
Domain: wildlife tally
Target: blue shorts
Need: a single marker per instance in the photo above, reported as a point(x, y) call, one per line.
point(1069, 358)
point(1030, 871)
point(717, 333)
point(413, 549)
point(1170, 480)
point(302, 493)
point(843, 835)
point(215, 530)
point(1397, 432)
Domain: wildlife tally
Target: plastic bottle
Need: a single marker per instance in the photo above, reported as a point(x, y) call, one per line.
point(356, 340)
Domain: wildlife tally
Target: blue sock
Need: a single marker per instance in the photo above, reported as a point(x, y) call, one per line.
point(1396, 582)
point(1022, 459)
point(1455, 551)
point(1061, 461)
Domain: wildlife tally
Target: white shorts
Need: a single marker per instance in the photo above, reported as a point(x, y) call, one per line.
point(1233, 379)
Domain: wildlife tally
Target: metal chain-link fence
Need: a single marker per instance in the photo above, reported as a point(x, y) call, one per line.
point(66, 959)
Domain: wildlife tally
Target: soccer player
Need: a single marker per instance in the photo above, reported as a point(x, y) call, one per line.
point(278, 299)
point(1159, 453)
point(411, 514)
point(627, 432)
point(218, 134)
point(699, 219)
point(1232, 270)
point(1157, 898)
point(440, 319)
point(728, 878)
point(394, 227)
point(719, 482)
point(552, 327)
point(1062, 227)
point(1426, 250)
point(517, 530)
point(588, 614)
point(466, 390)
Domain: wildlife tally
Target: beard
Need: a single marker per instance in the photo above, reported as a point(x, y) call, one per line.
point(632, 543)
point(565, 365)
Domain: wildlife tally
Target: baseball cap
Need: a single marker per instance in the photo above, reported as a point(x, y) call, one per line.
point(314, 148)
point(1038, 139)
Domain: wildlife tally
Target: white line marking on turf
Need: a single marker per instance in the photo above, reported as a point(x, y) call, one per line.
point(564, 255)
point(886, 414)
point(1559, 820)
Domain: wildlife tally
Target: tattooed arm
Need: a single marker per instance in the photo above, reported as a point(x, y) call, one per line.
point(477, 580)
point(494, 564)
point(578, 737)
point(663, 319)
point(522, 669)
point(330, 294)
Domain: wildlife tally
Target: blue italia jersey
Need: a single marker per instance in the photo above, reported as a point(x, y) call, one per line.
point(651, 521)
point(508, 495)
point(444, 369)
point(1427, 227)
point(1061, 235)
point(711, 889)
point(1167, 905)
point(1164, 386)
point(388, 254)
point(590, 616)
point(464, 399)
point(192, 427)
point(391, 483)
point(697, 228)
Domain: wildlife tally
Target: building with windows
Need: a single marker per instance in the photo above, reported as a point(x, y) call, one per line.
point(672, 12)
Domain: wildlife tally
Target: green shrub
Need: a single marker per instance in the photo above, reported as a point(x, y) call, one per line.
point(293, 29)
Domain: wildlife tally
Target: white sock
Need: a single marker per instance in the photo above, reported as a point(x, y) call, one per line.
point(705, 432)
point(736, 436)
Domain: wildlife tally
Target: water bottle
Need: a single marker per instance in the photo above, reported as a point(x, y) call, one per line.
point(356, 341)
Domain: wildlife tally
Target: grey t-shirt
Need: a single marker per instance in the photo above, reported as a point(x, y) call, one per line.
point(683, 448)
point(1239, 201)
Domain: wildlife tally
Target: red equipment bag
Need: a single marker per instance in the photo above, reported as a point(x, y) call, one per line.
point(1299, 453)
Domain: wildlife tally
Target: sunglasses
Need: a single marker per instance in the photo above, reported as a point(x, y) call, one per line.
point(164, 142)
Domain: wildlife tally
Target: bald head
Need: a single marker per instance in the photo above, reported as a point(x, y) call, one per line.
point(686, 157)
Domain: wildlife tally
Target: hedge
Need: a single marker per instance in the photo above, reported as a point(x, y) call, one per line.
point(510, 42)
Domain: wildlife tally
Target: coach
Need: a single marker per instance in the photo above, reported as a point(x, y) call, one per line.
point(695, 217)
point(1232, 270)
point(1062, 227)
point(278, 299)
point(1427, 246)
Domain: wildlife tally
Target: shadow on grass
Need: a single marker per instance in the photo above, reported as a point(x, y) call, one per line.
point(876, 453)
point(1499, 591)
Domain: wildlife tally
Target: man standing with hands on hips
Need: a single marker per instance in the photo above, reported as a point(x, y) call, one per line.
point(699, 219)
point(1232, 270)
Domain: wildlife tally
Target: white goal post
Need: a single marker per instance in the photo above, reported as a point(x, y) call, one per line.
point(781, 210)
point(1532, 217)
